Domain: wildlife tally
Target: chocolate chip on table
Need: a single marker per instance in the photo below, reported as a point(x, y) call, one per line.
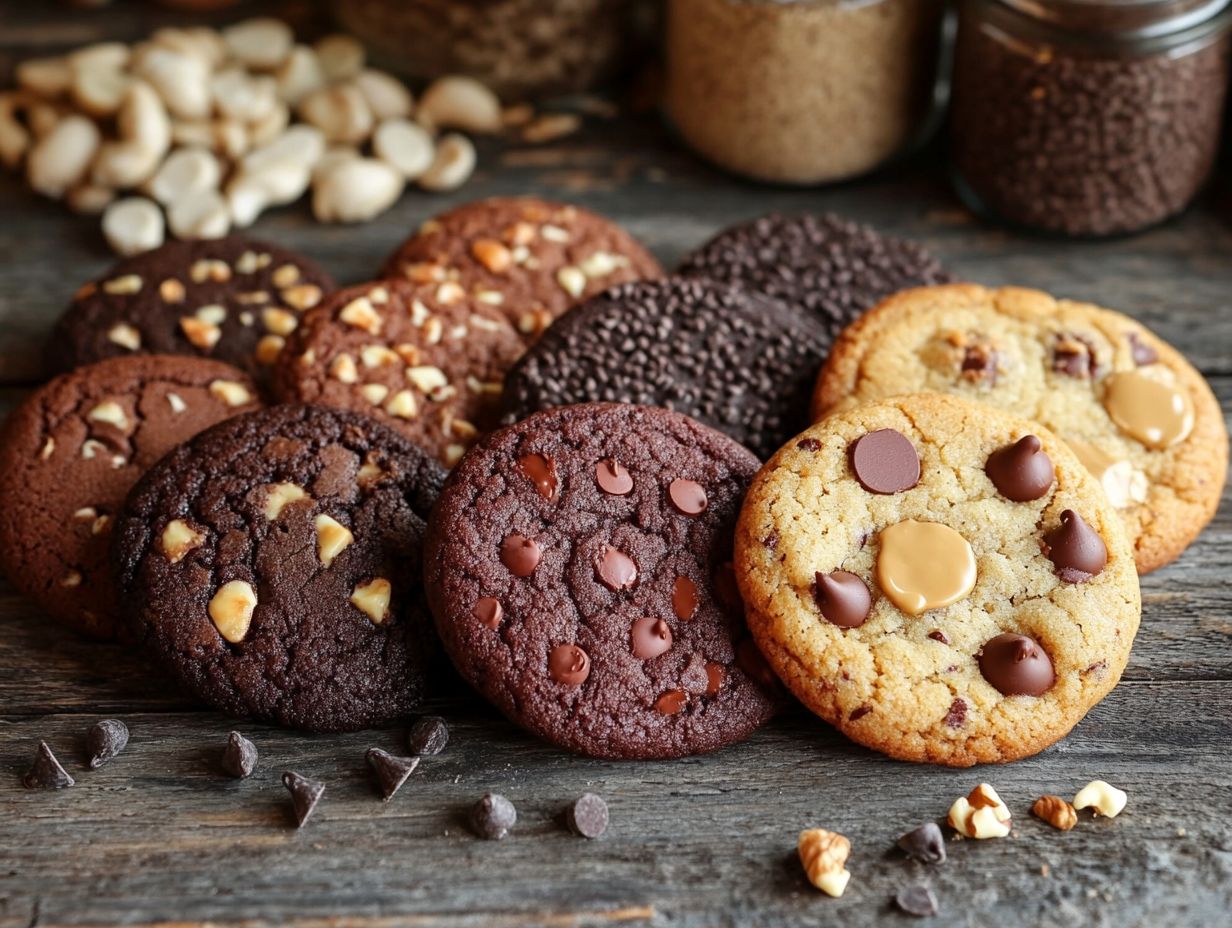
point(105, 740)
point(1016, 665)
point(917, 900)
point(239, 757)
point(391, 771)
point(843, 598)
point(305, 794)
point(1075, 549)
point(588, 816)
point(885, 462)
point(925, 844)
point(46, 772)
point(428, 736)
point(492, 817)
point(1022, 471)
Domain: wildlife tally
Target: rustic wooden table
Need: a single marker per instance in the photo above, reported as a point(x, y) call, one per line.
point(159, 836)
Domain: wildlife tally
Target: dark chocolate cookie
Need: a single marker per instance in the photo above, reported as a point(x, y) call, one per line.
point(531, 258)
point(232, 299)
point(70, 454)
point(426, 359)
point(736, 361)
point(273, 565)
point(831, 266)
point(578, 568)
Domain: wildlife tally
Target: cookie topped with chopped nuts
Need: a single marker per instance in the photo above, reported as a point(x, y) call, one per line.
point(531, 259)
point(272, 565)
point(69, 456)
point(429, 360)
point(231, 299)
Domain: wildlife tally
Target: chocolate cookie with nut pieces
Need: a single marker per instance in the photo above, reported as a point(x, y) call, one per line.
point(69, 456)
point(1139, 416)
point(530, 258)
point(231, 299)
point(578, 568)
point(940, 580)
point(272, 565)
point(426, 359)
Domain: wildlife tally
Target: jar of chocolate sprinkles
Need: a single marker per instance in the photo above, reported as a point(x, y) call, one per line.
point(1088, 118)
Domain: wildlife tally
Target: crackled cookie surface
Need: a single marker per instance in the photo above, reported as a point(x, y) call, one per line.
point(941, 581)
point(579, 569)
point(1137, 414)
point(73, 450)
point(272, 564)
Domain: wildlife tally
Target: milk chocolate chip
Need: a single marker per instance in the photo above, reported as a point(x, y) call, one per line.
point(688, 496)
point(684, 598)
point(1075, 549)
point(541, 471)
point(843, 598)
point(1021, 471)
point(1016, 665)
point(671, 702)
point(488, 611)
point(616, 569)
point(885, 462)
point(569, 664)
point(520, 554)
point(612, 478)
point(650, 638)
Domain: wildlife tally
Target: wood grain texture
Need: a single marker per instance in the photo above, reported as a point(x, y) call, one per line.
point(160, 837)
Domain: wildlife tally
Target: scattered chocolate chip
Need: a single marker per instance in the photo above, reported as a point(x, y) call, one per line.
point(492, 817)
point(684, 598)
point(714, 678)
point(1141, 352)
point(1073, 356)
point(239, 757)
point(843, 598)
point(808, 444)
point(859, 712)
point(688, 496)
point(391, 771)
point(1022, 471)
point(615, 569)
point(588, 816)
point(938, 635)
point(46, 772)
point(925, 844)
point(428, 736)
point(956, 717)
point(305, 794)
point(671, 702)
point(520, 554)
point(979, 363)
point(650, 638)
point(771, 541)
point(569, 664)
point(1098, 669)
point(541, 471)
point(885, 462)
point(489, 611)
point(105, 740)
point(613, 479)
point(1075, 549)
point(916, 900)
point(1016, 665)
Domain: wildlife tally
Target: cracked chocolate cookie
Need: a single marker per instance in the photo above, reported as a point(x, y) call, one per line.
point(940, 580)
point(733, 360)
point(69, 456)
point(231, 299)
point(428, 360)
point(531, 259)
point(578, 568)
point(272, 564)
point(1134, 410)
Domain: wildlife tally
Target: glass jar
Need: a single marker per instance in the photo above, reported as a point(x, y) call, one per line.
point(1088, 117)
point(801, 91)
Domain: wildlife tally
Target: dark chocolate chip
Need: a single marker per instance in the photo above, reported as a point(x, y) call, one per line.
point(714, 678)
point(613, 479)
point(588, 816)
point(956, 717)
point(541, 471)
point(979, 363)
point(771, 541)
point(925, 844)
point(684, 598)
point(489, 611)
point(615, 569)
point(239, 757)
point(46, 772)
point(1074, 356)
point(569, 664)
point(916, 900)
point(1141, 352)
point(1022, 471)
point(492, 817)
point(859, 712)
point(1075, 549)
point(428, 736)
point(808, 444)
point(938, 635)
point(305, 794)
point(671, 702)
point(650, 638)
point(520, 554)
point(105, 740)
point(688, 496)
point(843, 598)
point(391, 771)
point(885, 462)
point(1016, 665)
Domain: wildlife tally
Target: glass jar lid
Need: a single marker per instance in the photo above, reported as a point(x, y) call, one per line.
point(1127, 19)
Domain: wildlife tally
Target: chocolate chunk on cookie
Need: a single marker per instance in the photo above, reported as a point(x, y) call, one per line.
point(1138, 415)
point(733, 360)
point(599, 614)
point(428, 360)
point(232, 299)
point(943, 619)
point(73, 450)
point(530, 258)
point(272, 564)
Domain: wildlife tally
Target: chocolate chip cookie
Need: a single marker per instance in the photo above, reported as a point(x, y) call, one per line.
point(272, 564)
point(1138, 415)
point(578, 567)
point(735, 361)
point(232, 299)
point(940, 580)
point(530, 258)
point(69, 456)
point(428, 360)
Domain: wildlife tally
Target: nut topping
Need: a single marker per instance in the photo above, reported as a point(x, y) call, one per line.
point(1056, 812)
point(230, 392)
point(1103, 798)
point(332, 538)
point(981, 814)
point(178, 539)
point(824, 856)
point(372, 599)
point(231, 610)
point(278, 495)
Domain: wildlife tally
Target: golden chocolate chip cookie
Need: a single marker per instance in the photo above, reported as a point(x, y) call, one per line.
point(941, 580)
point(1134, 410)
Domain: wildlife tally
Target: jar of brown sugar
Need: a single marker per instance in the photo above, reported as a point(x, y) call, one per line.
point(1088, 117)
point(801, 91)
